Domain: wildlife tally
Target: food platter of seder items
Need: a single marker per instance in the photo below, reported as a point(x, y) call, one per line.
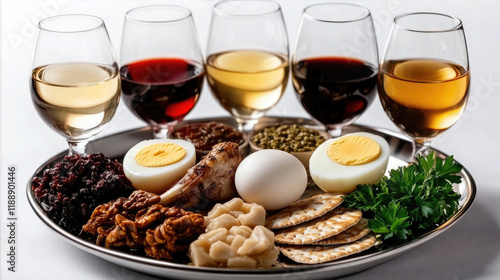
point(115, 146)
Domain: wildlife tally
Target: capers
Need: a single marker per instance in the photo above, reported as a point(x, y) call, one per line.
point(290, 138)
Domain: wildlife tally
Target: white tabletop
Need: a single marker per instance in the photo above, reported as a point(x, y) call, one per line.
point(469, 250)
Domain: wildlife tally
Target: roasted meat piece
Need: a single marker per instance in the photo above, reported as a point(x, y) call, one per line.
point(208, 182)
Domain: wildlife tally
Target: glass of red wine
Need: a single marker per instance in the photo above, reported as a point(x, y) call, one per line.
point(335, 64)
point(162, 65)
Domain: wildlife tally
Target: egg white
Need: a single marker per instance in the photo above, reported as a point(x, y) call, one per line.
point(271, 178)
point(331, 176)
point(157, 179)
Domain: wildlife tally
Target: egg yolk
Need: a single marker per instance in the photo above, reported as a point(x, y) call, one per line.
point(160, 154)
point(354, 150)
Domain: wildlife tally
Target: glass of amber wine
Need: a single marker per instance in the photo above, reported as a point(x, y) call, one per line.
point(424, 76)
point(75, 83)
point(335, 63)
point(247, 58)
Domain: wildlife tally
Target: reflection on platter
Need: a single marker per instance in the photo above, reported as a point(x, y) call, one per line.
point(115, 146)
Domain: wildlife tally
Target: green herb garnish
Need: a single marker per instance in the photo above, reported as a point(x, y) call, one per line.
point(412, 200)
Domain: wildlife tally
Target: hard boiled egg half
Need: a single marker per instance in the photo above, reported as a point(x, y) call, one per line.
point(154, 165)
point(340, 164)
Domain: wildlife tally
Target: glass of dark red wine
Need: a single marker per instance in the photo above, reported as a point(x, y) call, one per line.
point(162, 66)
point(335, 64)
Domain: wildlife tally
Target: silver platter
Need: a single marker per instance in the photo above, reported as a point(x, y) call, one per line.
point(115, 146)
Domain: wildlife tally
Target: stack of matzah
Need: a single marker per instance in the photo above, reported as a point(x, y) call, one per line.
point(316, 230)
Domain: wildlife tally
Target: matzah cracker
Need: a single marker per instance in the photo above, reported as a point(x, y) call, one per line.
point(321, 254)
point(304, 210)
point(349, 235)
point(328, 225)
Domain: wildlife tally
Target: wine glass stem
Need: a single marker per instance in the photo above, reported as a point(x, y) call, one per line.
point(160, 132)
point(77, 147)
point(246, 125)
point(421, 148)
point(335, 131)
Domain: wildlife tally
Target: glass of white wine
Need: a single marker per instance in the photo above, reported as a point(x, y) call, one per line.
point(247, 58)
point(423, 83)
point(75, 82)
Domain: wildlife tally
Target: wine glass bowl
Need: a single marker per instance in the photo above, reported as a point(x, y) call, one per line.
point(75, 83)
point(335, 64)
point(424, 76)
point(162, 65)
point(247, 62)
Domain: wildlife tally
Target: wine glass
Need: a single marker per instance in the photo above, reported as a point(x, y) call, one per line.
point(424, 76)
point(247, 60)
point(161, 65)
point(75, 79)
point(335, 64)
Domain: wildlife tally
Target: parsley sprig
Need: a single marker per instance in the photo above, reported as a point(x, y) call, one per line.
point(413, 199)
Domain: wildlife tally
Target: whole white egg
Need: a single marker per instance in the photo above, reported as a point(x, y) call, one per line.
point(332, 176)
point(157, 177)
point(271, 178)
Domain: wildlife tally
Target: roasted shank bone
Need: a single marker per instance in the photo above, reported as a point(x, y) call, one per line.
point(208, 182)
point(143, 221)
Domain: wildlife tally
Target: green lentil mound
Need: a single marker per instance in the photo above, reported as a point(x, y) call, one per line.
point(290, 138)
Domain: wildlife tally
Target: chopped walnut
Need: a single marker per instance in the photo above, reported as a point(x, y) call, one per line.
point(104, 214)
point(174, 234)
point(162, 232)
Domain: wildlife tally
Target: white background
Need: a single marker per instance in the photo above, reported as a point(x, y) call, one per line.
point(469, 250)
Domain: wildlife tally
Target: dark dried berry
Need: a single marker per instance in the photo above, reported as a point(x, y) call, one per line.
point(70, 190)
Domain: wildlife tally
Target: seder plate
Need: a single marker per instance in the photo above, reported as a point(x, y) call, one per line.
point(115, 146)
